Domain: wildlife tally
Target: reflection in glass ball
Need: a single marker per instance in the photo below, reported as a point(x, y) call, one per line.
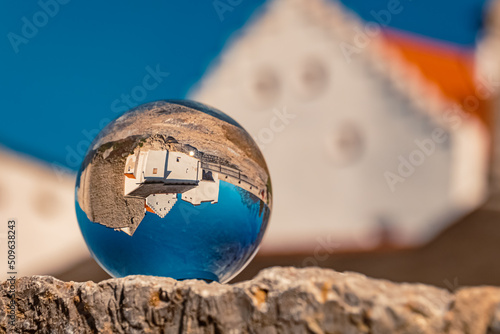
point(173, 188)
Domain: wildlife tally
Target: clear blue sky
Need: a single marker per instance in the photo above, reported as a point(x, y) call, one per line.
point(66, 76)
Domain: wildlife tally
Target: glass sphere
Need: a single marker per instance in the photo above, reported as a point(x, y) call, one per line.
point(173, 188)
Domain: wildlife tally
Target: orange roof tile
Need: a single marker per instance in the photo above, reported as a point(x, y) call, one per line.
point(450, 69)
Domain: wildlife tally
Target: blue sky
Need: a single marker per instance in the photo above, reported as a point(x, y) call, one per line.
point(65, 79)
point(455, 22)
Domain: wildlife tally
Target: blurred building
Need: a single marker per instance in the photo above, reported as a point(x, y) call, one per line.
point(375, 139)
point(41, 199)
point(386, 127)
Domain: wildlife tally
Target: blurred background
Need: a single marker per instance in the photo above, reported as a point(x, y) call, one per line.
point(376, 118)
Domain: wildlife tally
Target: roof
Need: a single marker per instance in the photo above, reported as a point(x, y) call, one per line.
point(155, 164)
point(146, 189)
point(409, 64)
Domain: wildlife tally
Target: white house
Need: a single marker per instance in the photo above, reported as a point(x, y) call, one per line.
point(182, 168)
point(156, 166)
point(207, 191)
point(158, 176)
point(166, 170)
point(365, 123)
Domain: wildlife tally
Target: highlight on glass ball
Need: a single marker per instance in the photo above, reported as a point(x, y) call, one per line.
point(173, 188)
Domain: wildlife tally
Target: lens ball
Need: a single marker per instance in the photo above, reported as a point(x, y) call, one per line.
point(173, 188)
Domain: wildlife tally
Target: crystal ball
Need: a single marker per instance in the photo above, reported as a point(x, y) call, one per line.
point(173, 188)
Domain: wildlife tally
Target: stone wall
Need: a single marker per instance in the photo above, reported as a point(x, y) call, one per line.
point(278, 300)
